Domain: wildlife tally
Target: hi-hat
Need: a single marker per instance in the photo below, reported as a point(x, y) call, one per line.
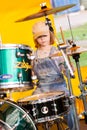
point(57, 54)
point(71, 51)
point(76, 50)
point(45, 11)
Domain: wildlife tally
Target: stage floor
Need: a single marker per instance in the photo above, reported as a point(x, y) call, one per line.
point(83, 125)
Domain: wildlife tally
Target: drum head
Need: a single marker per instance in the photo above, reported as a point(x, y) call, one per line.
point(37, 97)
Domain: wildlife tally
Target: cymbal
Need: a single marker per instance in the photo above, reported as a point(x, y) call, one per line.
point(76, 50)
point(45, 11)
point(79, 50)
point(56, 54)
point(59, 53)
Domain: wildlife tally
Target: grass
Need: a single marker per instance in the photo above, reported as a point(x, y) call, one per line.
point(79, 33)
point(82, 59)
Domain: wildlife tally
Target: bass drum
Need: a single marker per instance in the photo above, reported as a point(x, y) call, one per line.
point(12, 117)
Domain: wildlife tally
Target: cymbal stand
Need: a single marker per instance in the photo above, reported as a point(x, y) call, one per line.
point(72, 98)
point(69, 75)
point(70, 72)
point(81, 86)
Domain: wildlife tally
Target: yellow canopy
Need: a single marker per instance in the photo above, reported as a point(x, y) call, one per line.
point(10, 11)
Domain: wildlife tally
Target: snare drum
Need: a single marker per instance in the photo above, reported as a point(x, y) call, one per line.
point(12, 117)
point(47, 106)
point(15, 67)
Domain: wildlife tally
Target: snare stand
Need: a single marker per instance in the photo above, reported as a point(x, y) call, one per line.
point(81, 86)
point(59, 122)
point(46, 126)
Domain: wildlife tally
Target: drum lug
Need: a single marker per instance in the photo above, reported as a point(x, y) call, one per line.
point(66, 103)
point(34, 112)
point(20, 77)
point(3, 95)
point(55, 107)
point(19, 54)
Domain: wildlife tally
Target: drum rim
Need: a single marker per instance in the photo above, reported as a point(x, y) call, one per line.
point(9, 45)
point(43, 99)
point(4, 123)
point(20, 108)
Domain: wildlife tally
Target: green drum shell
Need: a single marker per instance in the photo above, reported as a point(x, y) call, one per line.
point(15, 70)
point(14, 117)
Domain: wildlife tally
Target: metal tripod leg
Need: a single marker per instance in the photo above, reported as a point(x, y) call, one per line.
point(70, 72)
point(46, 126)
point(81, 86)
point(60, 124)
point(72, 99)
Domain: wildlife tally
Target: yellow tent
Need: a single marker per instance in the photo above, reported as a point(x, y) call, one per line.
point(10, 11)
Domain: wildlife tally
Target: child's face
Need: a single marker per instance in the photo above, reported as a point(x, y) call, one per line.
point(44, 40)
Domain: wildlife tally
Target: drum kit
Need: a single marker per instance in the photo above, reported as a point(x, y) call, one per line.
point(15, 75)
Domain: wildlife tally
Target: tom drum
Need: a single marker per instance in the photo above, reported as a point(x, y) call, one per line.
point(15, 67)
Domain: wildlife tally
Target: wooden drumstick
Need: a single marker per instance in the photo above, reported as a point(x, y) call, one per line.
point(64, 41)
point(71, 67)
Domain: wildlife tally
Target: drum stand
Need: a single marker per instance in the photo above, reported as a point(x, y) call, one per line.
point(81, 86)
point(72, 98)
point(59, 122)
point(47, 125)
point(72, 102)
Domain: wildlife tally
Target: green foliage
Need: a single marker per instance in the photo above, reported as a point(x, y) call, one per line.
point(82, 59)
point(79, 33)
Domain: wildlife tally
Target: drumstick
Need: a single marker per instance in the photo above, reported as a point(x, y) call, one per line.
point(67, 58)
point(62, 35)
